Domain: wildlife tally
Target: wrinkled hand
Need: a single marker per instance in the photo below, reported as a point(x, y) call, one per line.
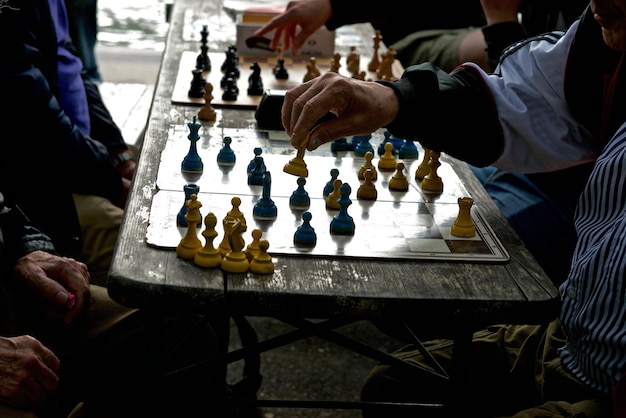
point(297, 23)
point(55, 278)
point(498, 11)
point(361, 107)
point(27, 372)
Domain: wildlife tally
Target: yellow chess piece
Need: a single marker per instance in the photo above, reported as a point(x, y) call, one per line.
point(235, 261)
point(235, 212)
point(331, 199)
point(262, 263)
point(207, 112)
point(367, 190)
point(252, 250)
point(369, 156)
point(208, 256)
point(399, 180)
point(190, 243)
point(432, 182)
point(423, 168)
point(464, 226)
point(387, 161)
point(296, 165)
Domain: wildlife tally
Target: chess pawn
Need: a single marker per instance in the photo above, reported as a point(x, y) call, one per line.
point(190, 243)
point(300, 198)
point(207, 112)
point(399, 180)
point(305, 234)
point(367, 190)
point(252, 164)
point(189, 189)
point(368, 165)
point(312, 70)
point(387, 161)
point(328, 188)
point(333, 197)
point(408, 150)
point(432, 182)
point(253, 249)
point(463, 226)
point(208, 256)
point(262, 263)
point(353, 62)
point(342, 223)
point(226, 156)
point(235, 212)
point(297, 166)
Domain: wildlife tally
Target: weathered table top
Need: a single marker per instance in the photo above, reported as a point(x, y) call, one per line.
point(449, 294)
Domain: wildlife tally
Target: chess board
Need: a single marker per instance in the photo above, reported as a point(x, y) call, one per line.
point(296, 67)
point(413, 224)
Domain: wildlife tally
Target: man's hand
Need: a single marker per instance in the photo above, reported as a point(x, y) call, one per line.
point(360, 106)
point(62, 281)
point(297, 23)
point(27, 372)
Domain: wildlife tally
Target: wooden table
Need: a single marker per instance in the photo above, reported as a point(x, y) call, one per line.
point(453, 298)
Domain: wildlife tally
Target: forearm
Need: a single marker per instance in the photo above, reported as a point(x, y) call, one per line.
point(453, 113)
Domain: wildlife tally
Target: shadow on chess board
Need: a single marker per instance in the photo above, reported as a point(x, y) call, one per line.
point(412, 224)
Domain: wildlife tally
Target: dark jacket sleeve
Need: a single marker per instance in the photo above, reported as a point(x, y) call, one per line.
point(454, 113)
point(45, 139)
point(498, 37)
point(17, 236)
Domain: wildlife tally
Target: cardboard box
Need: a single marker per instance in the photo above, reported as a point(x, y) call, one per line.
point(320, 44)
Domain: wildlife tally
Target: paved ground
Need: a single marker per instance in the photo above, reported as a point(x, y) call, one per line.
point(311, 369)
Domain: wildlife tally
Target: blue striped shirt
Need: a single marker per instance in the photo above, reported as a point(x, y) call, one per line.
point(593, 314)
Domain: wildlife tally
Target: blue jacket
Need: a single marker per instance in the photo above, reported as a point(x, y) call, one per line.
point(44, 158)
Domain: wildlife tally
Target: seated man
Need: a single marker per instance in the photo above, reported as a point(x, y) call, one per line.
point(554, 104)
point(65, 343)
point(73, 163)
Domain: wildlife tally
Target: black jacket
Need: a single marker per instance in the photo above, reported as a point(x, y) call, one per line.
point(44, 158)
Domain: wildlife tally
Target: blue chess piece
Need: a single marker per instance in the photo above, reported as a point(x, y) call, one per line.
point(265, 208)
point(342, 223)
point(189, 189)
point(300, 198)
point(334, 173)
point(305, 234)
point(257, 151)
point(381, 146)
point(339, 144)
point(192, 163)
point(363, 146)
point(226, 156)
point(255, 178)
point(354, 142)
point(397, 143)
point(408, 150)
